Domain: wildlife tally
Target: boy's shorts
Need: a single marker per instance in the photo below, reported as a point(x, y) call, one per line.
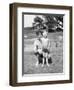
point(46, 51)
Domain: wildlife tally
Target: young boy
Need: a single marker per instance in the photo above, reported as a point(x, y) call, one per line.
point(38, 48)
point(46, 49)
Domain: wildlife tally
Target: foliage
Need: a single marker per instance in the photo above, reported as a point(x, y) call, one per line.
point(49, 22)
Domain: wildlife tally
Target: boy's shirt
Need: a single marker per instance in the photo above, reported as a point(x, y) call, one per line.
point(45, 43)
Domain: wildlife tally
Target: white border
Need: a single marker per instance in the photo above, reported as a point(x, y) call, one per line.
point(47, 77)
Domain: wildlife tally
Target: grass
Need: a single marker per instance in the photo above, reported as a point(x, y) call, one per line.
point(56, 51)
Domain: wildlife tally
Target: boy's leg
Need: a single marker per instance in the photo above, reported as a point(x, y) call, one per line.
point(43, 62)
point(47, 59)
point(44, 58)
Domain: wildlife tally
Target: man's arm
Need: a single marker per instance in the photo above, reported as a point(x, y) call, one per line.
point(35, 47)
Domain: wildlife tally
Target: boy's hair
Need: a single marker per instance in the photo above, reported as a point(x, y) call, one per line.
point(38, 32)
point(44, 33)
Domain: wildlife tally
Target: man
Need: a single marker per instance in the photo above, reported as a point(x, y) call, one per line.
point(38, 48)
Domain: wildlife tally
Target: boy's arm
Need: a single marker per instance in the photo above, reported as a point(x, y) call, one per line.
point(49, 44)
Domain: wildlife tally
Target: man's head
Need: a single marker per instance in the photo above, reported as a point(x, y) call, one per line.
point(39, 34)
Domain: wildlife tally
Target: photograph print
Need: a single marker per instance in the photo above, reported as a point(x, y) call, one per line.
point(42, 43)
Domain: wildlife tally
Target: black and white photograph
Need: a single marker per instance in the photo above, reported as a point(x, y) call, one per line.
point(42, 43)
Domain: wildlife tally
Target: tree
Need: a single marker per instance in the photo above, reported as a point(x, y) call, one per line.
point(50, 22)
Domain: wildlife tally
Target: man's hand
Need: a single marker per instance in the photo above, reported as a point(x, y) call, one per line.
point(40, 51)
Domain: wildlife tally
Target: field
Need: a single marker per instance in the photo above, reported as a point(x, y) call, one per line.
point(56, 54)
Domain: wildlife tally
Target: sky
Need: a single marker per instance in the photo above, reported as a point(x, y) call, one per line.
point(29, 19)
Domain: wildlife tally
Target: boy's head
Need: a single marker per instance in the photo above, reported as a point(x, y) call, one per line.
point(39, 34)
point(45, 34)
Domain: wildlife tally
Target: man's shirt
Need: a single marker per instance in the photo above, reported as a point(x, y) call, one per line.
point(37, 45)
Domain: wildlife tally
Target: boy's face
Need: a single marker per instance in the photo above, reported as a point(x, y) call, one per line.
point(45, 35)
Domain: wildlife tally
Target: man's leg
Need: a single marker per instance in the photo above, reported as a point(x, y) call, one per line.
point(37, 55)
point(40, 58)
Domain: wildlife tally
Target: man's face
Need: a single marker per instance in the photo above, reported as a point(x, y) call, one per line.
point(39, 36)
